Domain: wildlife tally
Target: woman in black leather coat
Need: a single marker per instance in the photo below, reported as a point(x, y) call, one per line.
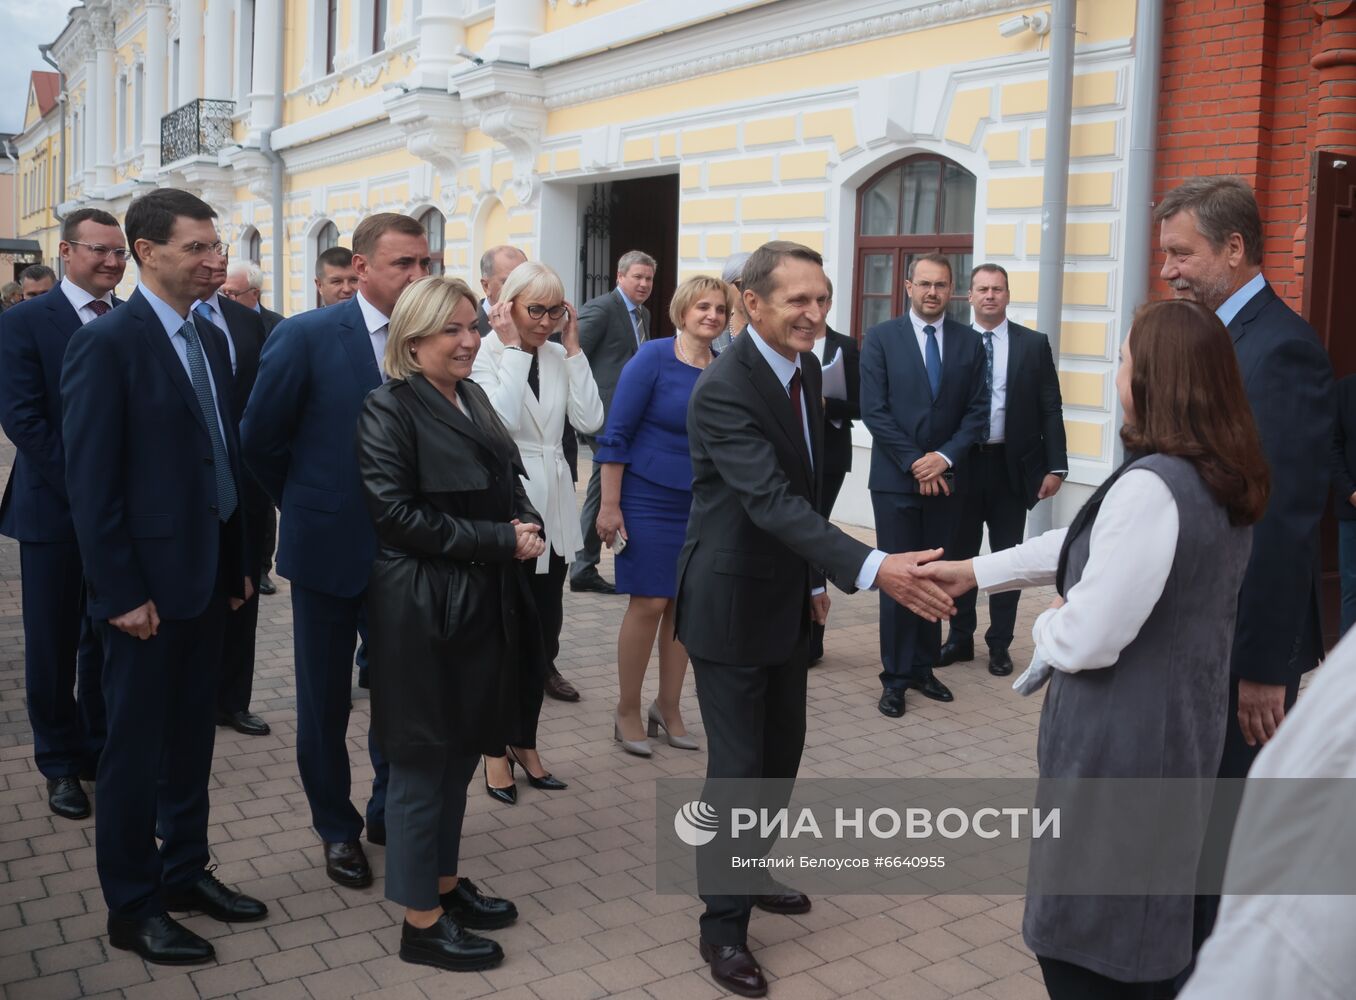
point(450, 619)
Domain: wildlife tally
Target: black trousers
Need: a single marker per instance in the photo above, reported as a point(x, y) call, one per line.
point(986, 497)
point(548, 596)
point(268, 538)
point(908, 522)
point(588, 557)
point(1066, 981)
point(754, 716)
point(833, 484)
point(236, 682)
point(62, 661)
point(160, 695)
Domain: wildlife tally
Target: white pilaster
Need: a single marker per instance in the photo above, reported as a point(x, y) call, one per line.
point(190, 50)
point(216, 77)
point(440, 32)
point(156, 81)
point(516, 23)
point(265, 89)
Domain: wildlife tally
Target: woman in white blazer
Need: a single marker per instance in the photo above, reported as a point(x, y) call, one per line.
point(534, 385)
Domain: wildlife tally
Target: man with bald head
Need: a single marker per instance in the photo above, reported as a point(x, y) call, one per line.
point(496, 264)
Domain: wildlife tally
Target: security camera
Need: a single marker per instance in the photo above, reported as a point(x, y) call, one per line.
point(1038, 24)
point(466, 53)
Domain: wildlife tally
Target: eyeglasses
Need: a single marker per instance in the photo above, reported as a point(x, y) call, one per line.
point(99, 250)
point(538, 311)
point(927, 286)
point(236, 296)
point(196, 249)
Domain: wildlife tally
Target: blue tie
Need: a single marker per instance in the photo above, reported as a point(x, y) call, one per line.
point(202, 388)
point(205, 311)
point(988, 380)
point(932, 356)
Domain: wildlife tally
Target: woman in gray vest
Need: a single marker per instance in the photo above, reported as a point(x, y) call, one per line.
point(1136, 647)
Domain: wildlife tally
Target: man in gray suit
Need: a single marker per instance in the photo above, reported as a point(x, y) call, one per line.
point(496, 264)
point(611, 327)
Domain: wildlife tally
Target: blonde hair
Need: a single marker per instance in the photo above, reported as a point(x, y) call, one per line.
point(422, 309)
point(532, 280)
point(687, 294)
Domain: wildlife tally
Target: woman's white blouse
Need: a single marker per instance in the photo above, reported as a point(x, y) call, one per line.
point(1134, 540)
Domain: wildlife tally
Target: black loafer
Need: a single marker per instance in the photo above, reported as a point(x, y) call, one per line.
point(209, 896)
point(160, 940)
point(591, 582)
point(783, 902)
point(891, 703)
point(266, 586)
point(245, 723)
point(469, 908)
point(931, 687)
point(956, 650)
point(346, 864)
point(733, 968)
point(559, 688)
point(66, 798)
point(447, 946)
point(1000, 663)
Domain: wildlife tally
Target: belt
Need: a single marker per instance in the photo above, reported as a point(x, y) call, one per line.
point(987, 448)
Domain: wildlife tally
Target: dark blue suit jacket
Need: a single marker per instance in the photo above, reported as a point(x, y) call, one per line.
point(299, 442)
point(1288, 378)
point(140, 471)
point(33, 339)
point(897, 405)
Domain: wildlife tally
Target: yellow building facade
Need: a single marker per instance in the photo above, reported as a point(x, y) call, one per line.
point(577, 129)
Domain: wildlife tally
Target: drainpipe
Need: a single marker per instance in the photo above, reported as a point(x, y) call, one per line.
point(1141, 165)
point(1055, 201)
point(10, 150)
point(46, 51)
point(275, 160)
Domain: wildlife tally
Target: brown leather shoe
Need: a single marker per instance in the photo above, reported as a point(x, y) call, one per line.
point(559, 688)
point(733, 968)
point(783, 902)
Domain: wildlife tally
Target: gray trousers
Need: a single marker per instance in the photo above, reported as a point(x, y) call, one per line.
point(587, 558)
point(425, 804)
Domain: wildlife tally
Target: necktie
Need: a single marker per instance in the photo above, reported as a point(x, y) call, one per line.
point(639, 319)
point(532, 379)
point(988, 379)
point(99, 307)
point(793, 389)
point(932, 356)
point(202, 388)
point(205, 311)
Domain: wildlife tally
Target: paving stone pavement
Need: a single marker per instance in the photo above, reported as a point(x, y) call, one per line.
point(578, 863)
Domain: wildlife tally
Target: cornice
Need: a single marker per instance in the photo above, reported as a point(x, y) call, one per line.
point(366, 140)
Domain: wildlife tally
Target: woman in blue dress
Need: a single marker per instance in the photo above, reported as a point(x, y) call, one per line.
point(646, 494)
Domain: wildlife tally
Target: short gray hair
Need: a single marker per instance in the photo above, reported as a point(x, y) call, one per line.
point(631, 258)
point(488, 257)
point(254, 274)
point(1222, 206)
point(734, 267)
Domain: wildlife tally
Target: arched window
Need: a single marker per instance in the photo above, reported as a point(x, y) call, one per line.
point(433, 224)
point(924, 204)
point(252, 245)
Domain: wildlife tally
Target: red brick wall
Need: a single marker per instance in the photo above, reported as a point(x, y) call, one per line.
point(1235, 100)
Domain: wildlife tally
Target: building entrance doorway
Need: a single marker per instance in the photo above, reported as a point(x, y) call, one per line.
point(636, 214)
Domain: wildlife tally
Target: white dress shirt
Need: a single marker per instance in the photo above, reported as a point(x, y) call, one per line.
point(998, 399)
point(173, 324)
point(80, 300)
point(378, 326)
point(1134, 541)
point(783, 369)
point(213, 304)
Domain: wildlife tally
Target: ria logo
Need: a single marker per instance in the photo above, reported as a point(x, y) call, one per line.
point(696, 824)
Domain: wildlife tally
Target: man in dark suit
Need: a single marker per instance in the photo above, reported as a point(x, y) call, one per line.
point(245, 284)
point(1210, 231)
point(925, 403)
point(1018, 461)
point(335, 279)
point(611, 327)
point(838, 417)
point(298, 438)
point(751, 573)
point(1344, 495)
point(61, 650)
point(37, 279)
point(242, 337)
point(153, 471)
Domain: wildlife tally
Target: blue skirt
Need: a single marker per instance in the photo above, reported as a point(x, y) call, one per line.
point(656, 525)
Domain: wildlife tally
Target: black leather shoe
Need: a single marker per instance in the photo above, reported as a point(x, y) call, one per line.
point(209, 896)
point(733, 968)
point(469, 908)
point(376, 832)
point(957, 650)
point(891, 702)
point(245, 723)
point(1000, 663)
point(559, 688)
point(266, 585)
point(547, 782)
point(931, 687)
point(160, 940)
point(66, 798)
point(447, 946)
point(591, 583)
point(507, 795)
point(346, 864)
point(783, 902)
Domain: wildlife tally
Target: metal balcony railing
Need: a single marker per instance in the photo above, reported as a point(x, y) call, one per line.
point(199, 128)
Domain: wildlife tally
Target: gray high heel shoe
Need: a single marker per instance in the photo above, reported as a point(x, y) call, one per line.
point(641, 748)
point(657, 722)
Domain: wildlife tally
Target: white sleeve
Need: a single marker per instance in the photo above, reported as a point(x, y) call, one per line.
point(1134, 540)
point(585, 408)
point(503, 375)
point(1034, 563)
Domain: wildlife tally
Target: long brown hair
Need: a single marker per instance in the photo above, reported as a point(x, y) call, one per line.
point(1189, 401)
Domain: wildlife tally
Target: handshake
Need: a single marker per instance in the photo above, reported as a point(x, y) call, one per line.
point(925, 585)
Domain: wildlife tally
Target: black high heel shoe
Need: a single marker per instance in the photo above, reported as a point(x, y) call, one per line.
point(546, 782)
point(509, 795)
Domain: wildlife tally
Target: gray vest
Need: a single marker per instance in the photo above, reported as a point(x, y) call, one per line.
point(1158, 711)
